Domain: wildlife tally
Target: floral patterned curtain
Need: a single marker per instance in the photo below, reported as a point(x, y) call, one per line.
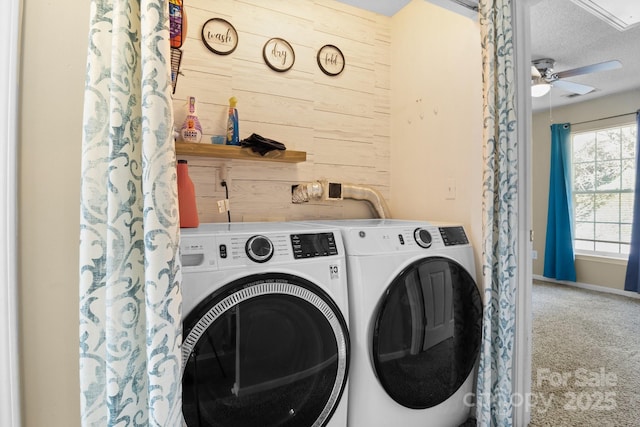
point(500, 215)
point(130, 321)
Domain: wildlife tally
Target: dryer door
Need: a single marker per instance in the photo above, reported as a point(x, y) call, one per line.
point(269, 350)
point(427, 332)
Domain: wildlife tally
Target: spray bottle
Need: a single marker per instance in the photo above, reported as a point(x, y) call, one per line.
point(233, 134)
point(191, 130)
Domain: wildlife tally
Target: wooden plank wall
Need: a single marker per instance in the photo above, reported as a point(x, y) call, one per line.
point(342, 122)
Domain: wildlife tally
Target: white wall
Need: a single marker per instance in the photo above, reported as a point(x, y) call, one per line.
point(591, 270)
point(436, 69)
point(52, 80)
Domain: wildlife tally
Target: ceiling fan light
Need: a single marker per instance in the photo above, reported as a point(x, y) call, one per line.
point(540, 89)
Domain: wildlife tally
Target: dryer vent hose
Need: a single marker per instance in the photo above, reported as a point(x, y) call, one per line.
point(324, 190)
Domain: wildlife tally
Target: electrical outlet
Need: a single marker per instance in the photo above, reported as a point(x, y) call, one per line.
point(223, 205)
point(223, 174)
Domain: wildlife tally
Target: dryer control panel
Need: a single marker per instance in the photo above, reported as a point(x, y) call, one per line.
point(392, 239)
point(405, 237)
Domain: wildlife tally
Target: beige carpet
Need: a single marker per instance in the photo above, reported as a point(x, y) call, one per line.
point(586, 358)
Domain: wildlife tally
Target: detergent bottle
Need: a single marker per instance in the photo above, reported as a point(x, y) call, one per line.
point(233, 134)
point(187, 207)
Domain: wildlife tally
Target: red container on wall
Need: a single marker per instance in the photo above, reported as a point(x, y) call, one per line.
point(186, 197)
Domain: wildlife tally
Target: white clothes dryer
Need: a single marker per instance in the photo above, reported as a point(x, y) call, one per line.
point(265, 326)
point(416, 323)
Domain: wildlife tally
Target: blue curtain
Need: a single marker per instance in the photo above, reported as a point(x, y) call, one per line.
point(559, 261)
point(632, 279)
point(494, 391)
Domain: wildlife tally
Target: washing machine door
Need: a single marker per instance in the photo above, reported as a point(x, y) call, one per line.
point(427, 332)
point(268, 350)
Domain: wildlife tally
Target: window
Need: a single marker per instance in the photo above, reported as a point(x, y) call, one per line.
point(603, 177)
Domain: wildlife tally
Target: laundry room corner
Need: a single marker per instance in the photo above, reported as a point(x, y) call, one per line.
point(436, 128)
point(404, 120)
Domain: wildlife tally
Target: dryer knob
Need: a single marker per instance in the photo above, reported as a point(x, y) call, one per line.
point(259, 249)
point(423, 237)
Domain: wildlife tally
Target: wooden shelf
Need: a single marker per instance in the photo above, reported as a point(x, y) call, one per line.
point(233, 152)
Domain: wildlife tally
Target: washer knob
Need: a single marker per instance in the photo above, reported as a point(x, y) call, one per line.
point(259, 249)
point(422, 237)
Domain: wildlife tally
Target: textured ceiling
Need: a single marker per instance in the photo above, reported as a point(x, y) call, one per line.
point(571, 35)
point(622, 14)
point(563, 31)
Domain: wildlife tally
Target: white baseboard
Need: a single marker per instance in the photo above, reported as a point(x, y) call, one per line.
point(590, 287)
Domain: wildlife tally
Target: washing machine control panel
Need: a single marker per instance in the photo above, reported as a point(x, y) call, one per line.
point(259, 248)
point(313, 245)
point(236, 250)
point(222, 250)
point(309, 245)
point(452, 236)
point(423, 237)
point(198, 253)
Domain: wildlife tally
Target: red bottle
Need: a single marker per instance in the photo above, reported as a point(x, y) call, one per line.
point(186, 197)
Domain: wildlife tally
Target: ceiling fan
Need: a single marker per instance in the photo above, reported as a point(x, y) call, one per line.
point(543, 77)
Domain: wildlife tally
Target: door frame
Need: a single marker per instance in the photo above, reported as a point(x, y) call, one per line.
point(9, 361)
point(523, 345)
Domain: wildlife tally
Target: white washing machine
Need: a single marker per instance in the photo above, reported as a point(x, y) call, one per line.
point(416, 323)
point(266, 340)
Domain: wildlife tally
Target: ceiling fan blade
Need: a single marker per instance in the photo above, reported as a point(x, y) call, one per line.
point(593, 68)
point(580, 89)
point(534, 72)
